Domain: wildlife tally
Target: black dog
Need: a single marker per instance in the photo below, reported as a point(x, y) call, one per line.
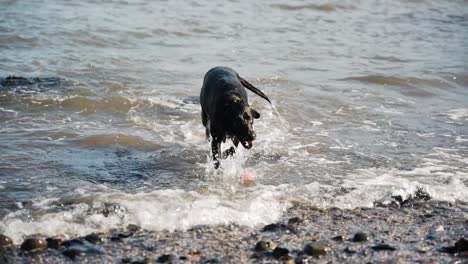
point(226, 112)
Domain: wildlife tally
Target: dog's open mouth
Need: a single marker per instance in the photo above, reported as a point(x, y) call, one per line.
point(246, 144)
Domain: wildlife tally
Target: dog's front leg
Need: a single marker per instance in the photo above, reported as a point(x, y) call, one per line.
point(216, 151)
point(231, 150)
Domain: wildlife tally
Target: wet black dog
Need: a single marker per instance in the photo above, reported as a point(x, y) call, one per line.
point(226, 112)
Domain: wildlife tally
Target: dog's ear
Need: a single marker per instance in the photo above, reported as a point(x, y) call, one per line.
point(255, 114)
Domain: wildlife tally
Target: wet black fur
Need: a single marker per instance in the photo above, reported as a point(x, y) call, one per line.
point(226, 112)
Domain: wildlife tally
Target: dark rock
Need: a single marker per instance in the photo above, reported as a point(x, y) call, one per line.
point(133, 228)
point(54, 242)
point(31, 244)
point(215, 261)
point(72, 252)
point(26, 204)
point(136, 260)
point(338, 238)
point(76, 247)
point(120, 236)
point(265, 246)
point(294, 221)
point(383, 247)
point(316, 249)
point(277, 228)
point(167, 258)
point(360, 237)
point(460, 246)
point(280, 253)
point(5, 241)
point(419, 195)
point(93, 238)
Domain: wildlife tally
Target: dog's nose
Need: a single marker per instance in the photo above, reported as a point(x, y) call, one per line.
point(252, 135)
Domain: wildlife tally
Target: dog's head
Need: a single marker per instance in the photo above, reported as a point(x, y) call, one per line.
point(238, 121)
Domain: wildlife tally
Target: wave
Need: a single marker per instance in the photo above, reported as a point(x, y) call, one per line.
point(99, 209)
point(157, 210)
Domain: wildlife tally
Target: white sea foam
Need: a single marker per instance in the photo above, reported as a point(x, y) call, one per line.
point(157, 210)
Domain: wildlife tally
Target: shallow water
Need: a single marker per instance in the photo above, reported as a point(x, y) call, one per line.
point(373, 98)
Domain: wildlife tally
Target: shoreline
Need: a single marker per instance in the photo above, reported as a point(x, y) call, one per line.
point(418, 231)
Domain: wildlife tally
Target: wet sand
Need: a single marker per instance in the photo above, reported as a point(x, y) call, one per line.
point(407, 232)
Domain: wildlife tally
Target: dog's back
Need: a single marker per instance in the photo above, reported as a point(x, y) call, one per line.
point(217, 83)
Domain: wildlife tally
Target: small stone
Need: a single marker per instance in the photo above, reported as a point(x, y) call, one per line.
point(280, 252)
point(294, 221)
point(265, 246)
point(93, 238)
point(72, 252)
point(33, 244)
point(422, 249)
point(351, 250)
point(167, 258)
point(360, 237)
point(338, 238)
point(383, 247)
point(276, 228)
point(461, 245)
point(133, 228)
point(5, 241)
point(316, 249)
point(54, 242)
point(120, 236)
point(76, 247)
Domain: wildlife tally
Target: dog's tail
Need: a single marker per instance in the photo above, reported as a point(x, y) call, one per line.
point(254, 89)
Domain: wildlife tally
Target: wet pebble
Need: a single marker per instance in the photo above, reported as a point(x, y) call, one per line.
point(316, 249)
point(338, 238)
point(5, 241)
point(265, 246)
point(167, 258)
point(133, 228)
point(276, 228)
point(120, 236)
point(360, 237)
point(77, 247)
point(383, 247)
point(33, 244)
point(93, 238)
point(135, 261)
point(280, 252)
point(295, 221)
point(461, 245)
point(54, 242)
